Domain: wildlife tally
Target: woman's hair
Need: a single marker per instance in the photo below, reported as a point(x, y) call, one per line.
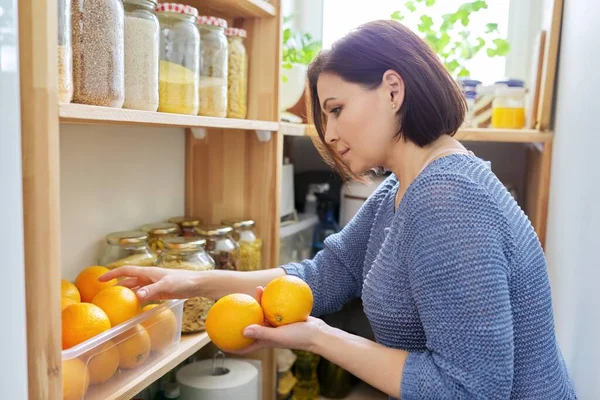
point(433, 102)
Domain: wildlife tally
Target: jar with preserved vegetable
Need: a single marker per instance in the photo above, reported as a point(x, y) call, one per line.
point(250, 244)
point(157, 233)
point(187, 225)
point(179, 67)
point(65, 56)
point(188, 253)
point(127, 248)
point(141, 55)
point(221, 246)
point(213, 67)
point(98, 52)
point(237, 74)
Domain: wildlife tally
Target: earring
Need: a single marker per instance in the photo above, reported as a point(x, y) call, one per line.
point(393, 105)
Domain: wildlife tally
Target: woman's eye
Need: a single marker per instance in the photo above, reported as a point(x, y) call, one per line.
point(336, 111)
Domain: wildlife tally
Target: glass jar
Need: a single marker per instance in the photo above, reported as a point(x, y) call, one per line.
point(187, 225)
point(127, 248)
point(65, 54)
point(157, 233)
point(237, 74)
point(250, 244)
point(98, 46)
point(213, 67)
point(141, 55)
point(508, 108)
point(482, 109)
point(188, 253)
point(179, 67)
point(221, 246)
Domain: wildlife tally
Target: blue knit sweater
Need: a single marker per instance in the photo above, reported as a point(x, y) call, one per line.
point(457, 277)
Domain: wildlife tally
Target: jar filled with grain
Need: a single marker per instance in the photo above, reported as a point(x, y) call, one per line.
point(179, 67)
point(221, 246)
point(65, 54)
point(127, 248)
point(98, 47)
point(141, 55)
point(188, 253)
point(157, 233)
point(237, 74)
point(250, 245)
point(213, 67)
point(187, 224)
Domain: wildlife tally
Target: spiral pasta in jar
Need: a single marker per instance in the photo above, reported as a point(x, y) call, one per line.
point(237, 74)
point(250, 244)
point(213, 67)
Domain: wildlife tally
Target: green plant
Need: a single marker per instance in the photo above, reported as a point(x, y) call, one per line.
point(451, 38)
point(298, 48)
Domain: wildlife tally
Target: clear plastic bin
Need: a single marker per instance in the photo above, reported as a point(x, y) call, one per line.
point(295, 240)
point(88, 368)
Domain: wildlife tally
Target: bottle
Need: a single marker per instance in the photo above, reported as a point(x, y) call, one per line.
point(305, 371)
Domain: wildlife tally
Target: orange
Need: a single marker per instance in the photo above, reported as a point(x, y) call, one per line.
point(88, 284)
point(119, 303)
point(104, 362)
point(134, 347)
point(66, 302)
point(81, 322)
point(75, 379)
point(227, 319)
point(161, 327)
point(286, 299)
point(68, 290)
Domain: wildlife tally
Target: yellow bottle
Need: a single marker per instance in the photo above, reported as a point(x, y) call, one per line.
point(508, 108)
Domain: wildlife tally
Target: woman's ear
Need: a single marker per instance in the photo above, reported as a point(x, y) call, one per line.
point(394, 85)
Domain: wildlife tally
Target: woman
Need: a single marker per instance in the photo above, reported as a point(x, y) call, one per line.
point(450, 271)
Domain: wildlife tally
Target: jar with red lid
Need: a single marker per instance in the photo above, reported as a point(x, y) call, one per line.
point(213, 66)
point(237, 74)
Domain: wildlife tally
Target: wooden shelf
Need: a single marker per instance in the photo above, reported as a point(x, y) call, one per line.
point(83, 114)
point(235, 8)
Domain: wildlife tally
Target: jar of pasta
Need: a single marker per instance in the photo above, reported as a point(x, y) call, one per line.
point(188, 253)
point(238, 74)
point(127, 248)
point(187, 224)
point(213, 67)
point(179, 66)
point(221, 246)
point(508, 108)
point(65, 57)
point(250, 244)
point(157, 233)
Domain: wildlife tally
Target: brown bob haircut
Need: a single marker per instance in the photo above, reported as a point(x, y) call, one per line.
point(433, 102)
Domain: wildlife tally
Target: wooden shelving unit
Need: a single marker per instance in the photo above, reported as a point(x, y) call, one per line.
point(235, 8)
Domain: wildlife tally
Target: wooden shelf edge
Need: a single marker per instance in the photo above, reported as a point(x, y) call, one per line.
point(235, 8)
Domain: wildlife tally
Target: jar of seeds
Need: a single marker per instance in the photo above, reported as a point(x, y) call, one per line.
point(187, 224)
point(65, 55)
point(250, 244)
point(213, 67)
point(157, 233)
point(127, 248)
point(221, 246)
point(237, 74)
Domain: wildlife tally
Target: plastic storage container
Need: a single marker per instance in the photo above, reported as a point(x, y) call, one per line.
point(237, 74)
point(141, 55)
point(213, 66)
point(508, 108)
point(221, 246)
point(482, 109)
point(138, 344)
point(250, 244)
point(159, 232)
point(127, 248)
point(98, 52)
point(295, 240)
point(187, 224)
point(179, 67)
point(65, 52)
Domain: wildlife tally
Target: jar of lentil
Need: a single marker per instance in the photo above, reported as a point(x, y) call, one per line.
point(187, 225)
point(213, 67)
point(65, 54)
point(127, 248)
point(157, 233)
point(237, 74)
point(98, 47)
point(188, 253)
point(141, 55)
point(221, 246)
point(179, 67)
point(250, 244)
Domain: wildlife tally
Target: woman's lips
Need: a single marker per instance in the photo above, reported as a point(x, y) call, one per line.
point(344, 152)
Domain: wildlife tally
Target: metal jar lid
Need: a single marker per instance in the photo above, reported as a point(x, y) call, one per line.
point(127, 237)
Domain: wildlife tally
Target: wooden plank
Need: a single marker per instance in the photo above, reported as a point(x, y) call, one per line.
point(41, 191)
point(538, 188)
point(234, 8)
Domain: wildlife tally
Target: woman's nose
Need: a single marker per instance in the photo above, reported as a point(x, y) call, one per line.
point(330, 134)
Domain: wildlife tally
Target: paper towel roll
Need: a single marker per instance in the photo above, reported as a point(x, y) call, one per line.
point(197, 382)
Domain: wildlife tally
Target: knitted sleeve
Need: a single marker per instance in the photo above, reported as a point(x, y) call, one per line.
point(458, 255)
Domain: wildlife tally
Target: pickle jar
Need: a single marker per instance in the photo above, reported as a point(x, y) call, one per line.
point(250, 245)
point(179, 66)
point(159, 232)
point(237, 74)
point(65, 52)
point(187, 224)
point(188, 253)
point(213, 66)
point(127, 248)
point(221, 246)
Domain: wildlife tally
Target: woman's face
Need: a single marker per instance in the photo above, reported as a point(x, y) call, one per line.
point(361, 123)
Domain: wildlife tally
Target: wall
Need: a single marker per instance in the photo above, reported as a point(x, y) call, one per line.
point(574, 215)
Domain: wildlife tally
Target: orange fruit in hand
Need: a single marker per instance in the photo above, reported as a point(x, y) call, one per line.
point(227, 319)
point(70, 291)
point(161, 327)
point(119, 303)
point(104, 362)
point(66, 302)
point(88, 284)
point(285, 300)
point(81, 322)
point(75, 379)
point(134, 347)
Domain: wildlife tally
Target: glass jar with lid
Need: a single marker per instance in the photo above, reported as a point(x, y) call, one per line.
point(213, 66)
point(141, 55)
point(250, 245)
point(157, 233)
point(221, 246)
point(127, 248)
point(187, 224)
point(65, 56)
point(508, 107)
point(98, 52)
point(179, 66)
point(188, 253)
point(237, 74)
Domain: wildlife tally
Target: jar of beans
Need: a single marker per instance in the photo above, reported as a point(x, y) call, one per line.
point(221, 246)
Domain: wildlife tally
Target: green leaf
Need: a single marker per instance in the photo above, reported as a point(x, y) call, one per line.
point(287, 34)
point(480, 45)
point(452, 65)
point(284, 78)
point(426, 23)
point(287, 65)
point(501, 47)
point(410, 6)
point(397, 15)
point(429, 3)
point(463, 72)
point(490, 28)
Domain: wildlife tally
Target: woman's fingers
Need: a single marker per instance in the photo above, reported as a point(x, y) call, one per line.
point(259, 292)
point(130, 282)
point(126, 271)
point(160, 290)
